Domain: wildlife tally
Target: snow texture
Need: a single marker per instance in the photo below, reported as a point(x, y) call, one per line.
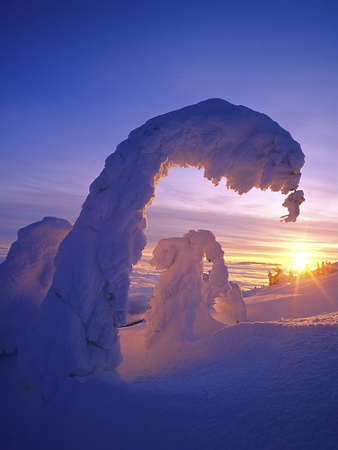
point(259, 385)
point(89, 293)
point(25, 277)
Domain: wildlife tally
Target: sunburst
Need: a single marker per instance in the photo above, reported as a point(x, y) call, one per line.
point(300, 261)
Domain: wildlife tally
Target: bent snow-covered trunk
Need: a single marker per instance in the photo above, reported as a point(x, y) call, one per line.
point(89, 293)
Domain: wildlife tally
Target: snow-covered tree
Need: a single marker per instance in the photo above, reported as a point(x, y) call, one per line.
point(182, 292)
point(25, 277)
point(89, 293)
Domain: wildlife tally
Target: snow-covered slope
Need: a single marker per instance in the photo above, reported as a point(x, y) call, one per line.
point(256, 385)
point(311, 297)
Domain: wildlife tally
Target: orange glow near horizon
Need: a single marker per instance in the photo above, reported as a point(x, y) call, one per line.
point(247, 227)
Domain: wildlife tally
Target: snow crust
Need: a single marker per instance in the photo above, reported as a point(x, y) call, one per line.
point(25, 277)
point(89, 295)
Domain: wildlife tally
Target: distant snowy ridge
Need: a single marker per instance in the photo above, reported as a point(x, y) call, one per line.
point(78, 329)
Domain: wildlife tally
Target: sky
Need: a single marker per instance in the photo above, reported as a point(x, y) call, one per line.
point(77, 77)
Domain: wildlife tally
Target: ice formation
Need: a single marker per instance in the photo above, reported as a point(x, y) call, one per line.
point(25, 277)
point(88, 298)
point(182, 291)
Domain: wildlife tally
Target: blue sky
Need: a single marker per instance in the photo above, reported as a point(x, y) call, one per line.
point(77, 77)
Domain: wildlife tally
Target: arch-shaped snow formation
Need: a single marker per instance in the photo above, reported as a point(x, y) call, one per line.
point(88, 297)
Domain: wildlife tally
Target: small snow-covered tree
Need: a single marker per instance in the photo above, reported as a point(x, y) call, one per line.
point(182, 294)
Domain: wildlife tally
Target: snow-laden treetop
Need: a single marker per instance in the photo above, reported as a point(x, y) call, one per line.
point(91, 282)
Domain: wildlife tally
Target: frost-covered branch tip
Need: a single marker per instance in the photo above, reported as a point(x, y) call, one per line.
point(292, 203)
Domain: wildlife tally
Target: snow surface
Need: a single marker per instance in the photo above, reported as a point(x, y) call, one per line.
point(25, 277)
point(88, 299)
point(256, 385)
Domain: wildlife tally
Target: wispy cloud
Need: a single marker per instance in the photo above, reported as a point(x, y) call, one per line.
point(244, 236)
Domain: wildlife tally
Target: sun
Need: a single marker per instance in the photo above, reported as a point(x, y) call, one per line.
point(300, 261)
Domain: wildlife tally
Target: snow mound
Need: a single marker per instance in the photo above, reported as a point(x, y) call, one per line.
point(89, 292)
point(26, 275)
